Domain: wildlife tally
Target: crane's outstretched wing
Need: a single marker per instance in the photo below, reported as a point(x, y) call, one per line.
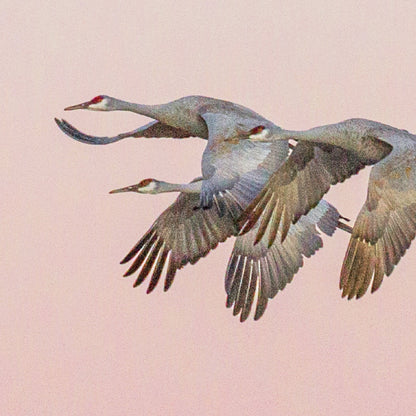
point(298, 185)
point(258, 272)
point(384, 228)
point(181, 235)
point(154, 129)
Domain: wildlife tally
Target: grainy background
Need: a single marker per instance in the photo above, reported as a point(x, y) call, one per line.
point(76, 339)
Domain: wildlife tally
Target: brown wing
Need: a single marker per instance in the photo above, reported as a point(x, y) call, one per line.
point(297, 186)
point(384, 229)
point(181, 235)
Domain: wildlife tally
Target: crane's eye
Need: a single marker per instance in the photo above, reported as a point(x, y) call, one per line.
point(145, 182)
point(257, 130)
point(97, 99)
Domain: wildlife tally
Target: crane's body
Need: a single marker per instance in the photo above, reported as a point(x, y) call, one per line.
point(180, 118)
point(224, 124)
point(386, 224)
point(234, 170)
point(255, 273)
point(247, 157)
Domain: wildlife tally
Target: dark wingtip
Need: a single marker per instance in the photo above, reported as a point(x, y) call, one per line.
point(259, 314)
point(244, 316)
point(60, 123)
point(272, 239)
point(285, 232)
point(344, 227)
point(258, 239)
point(77, 135)
point(128, 273)
point(360, 295)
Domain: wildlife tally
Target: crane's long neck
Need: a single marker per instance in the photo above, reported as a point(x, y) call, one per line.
point(332, 134)
point(153, 111)
point(367, 139)
point(189, 188)
point(180, 114)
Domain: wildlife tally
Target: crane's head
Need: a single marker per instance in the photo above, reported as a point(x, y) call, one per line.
point(259, 133)
point(98, 103)
point(146, 186)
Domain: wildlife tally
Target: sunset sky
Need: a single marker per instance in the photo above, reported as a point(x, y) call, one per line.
point(76, 338)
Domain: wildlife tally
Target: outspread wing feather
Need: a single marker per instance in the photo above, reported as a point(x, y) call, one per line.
point(384, 228)
point(297, 186)
point(255, 273)
point(188, 234)
point(180, 235)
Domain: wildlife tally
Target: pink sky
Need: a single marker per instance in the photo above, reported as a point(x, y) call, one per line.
point(76, 338)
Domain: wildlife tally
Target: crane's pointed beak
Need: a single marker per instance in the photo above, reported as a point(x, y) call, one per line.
point(81, 106)
point(132, 188)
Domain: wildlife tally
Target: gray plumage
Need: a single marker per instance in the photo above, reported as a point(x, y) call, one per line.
point(182, 235)
point(177, 119)
point(386, 224)
point(234, 171)
point(224, 124)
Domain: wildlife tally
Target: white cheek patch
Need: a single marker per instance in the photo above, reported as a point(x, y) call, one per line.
point(148, 188)
point(259, 136)
point(102, 105)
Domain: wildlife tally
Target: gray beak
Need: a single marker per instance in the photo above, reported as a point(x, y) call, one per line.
point(132, 188)
point(78, 106)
